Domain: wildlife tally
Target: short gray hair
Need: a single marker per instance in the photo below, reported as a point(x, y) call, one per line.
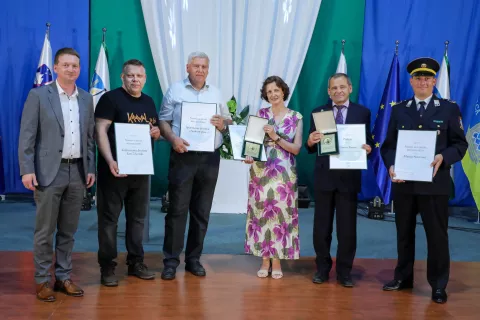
point(197, 54)
point(339, 75)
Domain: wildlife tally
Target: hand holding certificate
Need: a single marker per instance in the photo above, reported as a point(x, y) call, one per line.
point(352, 155)
point(415, 154)
point(195, 126)
point(237, 134)
point(134, 148)
point(254, 136)
point(325, 124)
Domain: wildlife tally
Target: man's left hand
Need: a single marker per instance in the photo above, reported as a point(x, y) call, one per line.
point(437, 162)
point(367, 148)
point(90, 179)
point(154, 132)
point(218, 122)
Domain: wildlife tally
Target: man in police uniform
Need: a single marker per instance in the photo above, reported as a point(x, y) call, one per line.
point(424, 112)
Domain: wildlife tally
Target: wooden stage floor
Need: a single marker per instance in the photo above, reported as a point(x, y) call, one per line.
point(231, 290)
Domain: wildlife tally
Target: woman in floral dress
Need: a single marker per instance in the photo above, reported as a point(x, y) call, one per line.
point(272, 213)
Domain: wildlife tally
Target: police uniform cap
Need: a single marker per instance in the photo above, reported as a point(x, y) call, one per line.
point(423, 67)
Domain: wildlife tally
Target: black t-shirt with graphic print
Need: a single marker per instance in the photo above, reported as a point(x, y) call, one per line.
point(120, 107)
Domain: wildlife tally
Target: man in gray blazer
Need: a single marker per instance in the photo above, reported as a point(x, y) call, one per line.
point(56, 153)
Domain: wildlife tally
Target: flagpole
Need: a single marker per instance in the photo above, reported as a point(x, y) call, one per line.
point(48, 30)
point(104, 30)
point(343, 46)
point(446, 47)
point(392, 211)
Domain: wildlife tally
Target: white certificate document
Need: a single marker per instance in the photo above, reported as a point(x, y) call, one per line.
point(415, 154)
point(134, 148)
point(195, 126)
point(351, 137)
point(237, 133)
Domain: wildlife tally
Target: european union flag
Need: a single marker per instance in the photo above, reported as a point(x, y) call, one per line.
point(391, 94)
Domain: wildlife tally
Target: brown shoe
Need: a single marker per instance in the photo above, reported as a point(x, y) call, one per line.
point(45, 293)
point(68, 287)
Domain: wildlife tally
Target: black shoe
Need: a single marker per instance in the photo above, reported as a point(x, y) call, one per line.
point(140, 270)
point(108, 278)
point(320, 277)
point(345, 281)
point(196, 269)
point(168, 273)
point(439, 296)
point(396, 285)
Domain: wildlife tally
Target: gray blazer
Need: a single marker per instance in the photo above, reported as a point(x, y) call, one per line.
point(42, 132)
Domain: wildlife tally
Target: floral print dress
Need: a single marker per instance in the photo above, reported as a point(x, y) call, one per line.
point(272, 213)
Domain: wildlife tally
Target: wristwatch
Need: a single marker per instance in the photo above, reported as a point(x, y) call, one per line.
point(278, 139)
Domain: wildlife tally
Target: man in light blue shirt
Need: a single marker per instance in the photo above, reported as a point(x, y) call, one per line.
point(192, 175)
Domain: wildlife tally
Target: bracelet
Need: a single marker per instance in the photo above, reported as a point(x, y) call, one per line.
point(278, 139)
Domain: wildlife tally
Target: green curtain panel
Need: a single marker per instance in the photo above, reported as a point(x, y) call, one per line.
point(127, 38)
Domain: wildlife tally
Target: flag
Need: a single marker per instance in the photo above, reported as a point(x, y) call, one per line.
point(442, 90)
point(44, 70)
point(391, 94)
point(471, 161)
point(101, 76)
point(342, 64)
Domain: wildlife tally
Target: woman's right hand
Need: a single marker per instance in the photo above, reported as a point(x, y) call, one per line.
point(248, 160)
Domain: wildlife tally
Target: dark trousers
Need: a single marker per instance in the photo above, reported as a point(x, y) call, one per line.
point(112, 194)
point(192, 179)
point(58, 209)
point(345, 204)
point(434, 212)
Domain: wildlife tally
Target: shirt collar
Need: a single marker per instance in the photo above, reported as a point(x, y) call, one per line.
point(346, 104)
point(187, 83)
point(427, 100)
point(61, 91)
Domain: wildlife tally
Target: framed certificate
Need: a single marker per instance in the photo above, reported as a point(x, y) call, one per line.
point(325, 123)
point(351, 155)
point(237, 134)
point(414, 155)
point(254, 136)
point(134, 148)
point(195, 126)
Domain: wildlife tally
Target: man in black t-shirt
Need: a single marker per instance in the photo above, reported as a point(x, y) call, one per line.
point(126, 104)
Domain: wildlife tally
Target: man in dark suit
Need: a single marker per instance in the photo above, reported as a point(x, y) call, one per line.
point(56, 153)
point(424, 112)
point(336, 190)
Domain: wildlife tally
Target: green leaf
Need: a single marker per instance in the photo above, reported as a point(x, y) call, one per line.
point(262, 222)
point(232, 106)
point(273, 153)
point(285, 252)
point(261, 165)
point(281, 219)
point(285, 177)
point(244, 112)
point(259, 205)
point(257, 246)
point(290, 228)
point(270, 194)
point(264, 181)
point(268, 236)
point(289, 211)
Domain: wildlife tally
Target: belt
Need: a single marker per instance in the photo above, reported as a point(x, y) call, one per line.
point(71, 161)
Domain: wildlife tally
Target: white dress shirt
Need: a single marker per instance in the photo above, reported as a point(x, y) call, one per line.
point(71, 121)
point(427, 101)
point(171, 109)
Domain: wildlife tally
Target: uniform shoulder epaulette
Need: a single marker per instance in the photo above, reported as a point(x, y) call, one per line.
point(448, 100)
point(402, 101)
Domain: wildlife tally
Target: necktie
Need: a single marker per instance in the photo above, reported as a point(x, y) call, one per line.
point(339, 117)
point(422, 108)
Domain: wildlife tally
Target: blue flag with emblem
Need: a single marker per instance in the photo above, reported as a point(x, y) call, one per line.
point(391, 94)
point(44, 75)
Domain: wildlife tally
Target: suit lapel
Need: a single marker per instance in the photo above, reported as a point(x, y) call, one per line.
point(412, 111)
point(55, 104)
point(351, 116)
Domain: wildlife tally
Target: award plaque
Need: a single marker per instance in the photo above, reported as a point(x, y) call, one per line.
point(325, 124)
point(254, 136)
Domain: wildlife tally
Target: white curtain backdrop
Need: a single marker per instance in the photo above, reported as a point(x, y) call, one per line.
point(246, 40)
